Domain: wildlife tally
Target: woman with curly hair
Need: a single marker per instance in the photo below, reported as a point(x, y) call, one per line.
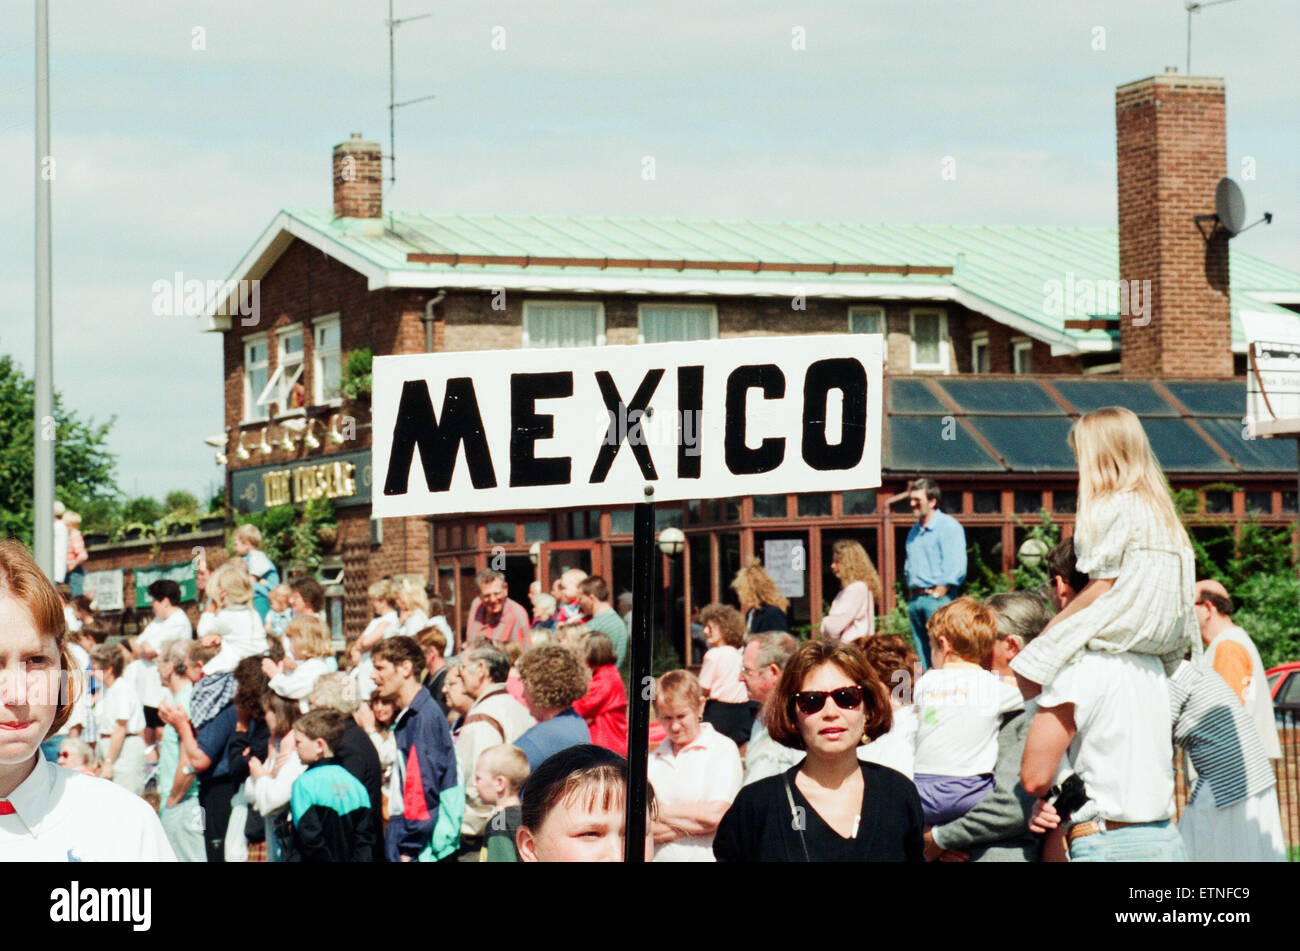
point(853, 612)
point(760, 601)
point(554, 679)
point(727, 707)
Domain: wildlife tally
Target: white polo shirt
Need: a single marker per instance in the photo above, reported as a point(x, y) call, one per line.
point(62, 816)
point(706, 770)
point(1123, 749)
point(119, 702)
point(156, 634)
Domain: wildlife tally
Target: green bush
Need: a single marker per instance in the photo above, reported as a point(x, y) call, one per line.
point(357, 378)
point(1258, 569)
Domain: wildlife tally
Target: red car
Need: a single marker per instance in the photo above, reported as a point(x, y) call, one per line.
point(1284, 685)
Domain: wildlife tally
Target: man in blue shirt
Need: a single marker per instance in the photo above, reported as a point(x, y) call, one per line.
point(936, 561)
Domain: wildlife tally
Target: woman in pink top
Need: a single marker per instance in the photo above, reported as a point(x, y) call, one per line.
point(728, 708)
point(605, 705)
point(77, 556)
point(853, 612)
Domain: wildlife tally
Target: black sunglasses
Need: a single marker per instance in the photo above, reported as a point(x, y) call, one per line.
point(810, 701)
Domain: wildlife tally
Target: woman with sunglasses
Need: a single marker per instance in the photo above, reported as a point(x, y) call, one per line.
point(831, 807)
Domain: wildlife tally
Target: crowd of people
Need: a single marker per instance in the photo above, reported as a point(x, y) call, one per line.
point(1036, 725)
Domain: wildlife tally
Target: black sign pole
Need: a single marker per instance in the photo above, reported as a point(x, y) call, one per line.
point(641, 691)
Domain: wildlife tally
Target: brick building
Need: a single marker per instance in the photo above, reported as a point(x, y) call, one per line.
point(997, 337)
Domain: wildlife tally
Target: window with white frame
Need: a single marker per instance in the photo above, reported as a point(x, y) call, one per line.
point(1022, 356)
point(929, 340)
point(979, 353)
point(279, 389)
point(661, 323)
point(327, 359)
point(255, 375)
point(563, 324)
point(866, 320)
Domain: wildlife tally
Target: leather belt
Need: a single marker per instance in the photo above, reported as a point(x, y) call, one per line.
point(1093, 826)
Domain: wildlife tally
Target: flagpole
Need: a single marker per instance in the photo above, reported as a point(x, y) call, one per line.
point(43, 420)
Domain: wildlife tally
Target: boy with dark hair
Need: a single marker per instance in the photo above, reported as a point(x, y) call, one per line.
point(306, 596)
point(1064, 579)
point(332, 821)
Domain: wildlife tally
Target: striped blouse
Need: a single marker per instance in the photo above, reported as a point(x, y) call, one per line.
point(1219, 735)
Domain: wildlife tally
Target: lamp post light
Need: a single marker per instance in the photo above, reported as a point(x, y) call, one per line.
point(1032, 551)
point(672, 541)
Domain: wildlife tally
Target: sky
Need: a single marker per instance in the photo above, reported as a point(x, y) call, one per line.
point(179, 129)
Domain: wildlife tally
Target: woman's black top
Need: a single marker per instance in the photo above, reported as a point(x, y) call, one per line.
point(760, 828)
point(767, 618)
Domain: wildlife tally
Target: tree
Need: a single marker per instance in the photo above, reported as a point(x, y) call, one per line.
point(143, 509)
point(84, 469)
point(180, 501)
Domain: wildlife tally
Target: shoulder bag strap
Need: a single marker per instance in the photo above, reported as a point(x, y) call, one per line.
point(795, 820)
point(485, 718)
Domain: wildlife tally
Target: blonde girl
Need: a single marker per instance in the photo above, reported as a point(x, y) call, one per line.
point(293, 678)
point(761, 603)
point(1129, 542)
point(236, 628)
point(853, 612)
point(412, 608)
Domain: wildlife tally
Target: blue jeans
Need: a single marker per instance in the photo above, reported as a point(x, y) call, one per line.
point(77, 580)
point(919, 610)
point(1149, 842)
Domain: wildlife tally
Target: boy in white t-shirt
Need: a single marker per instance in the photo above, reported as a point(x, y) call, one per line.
point(120, 716)
point(960, 707)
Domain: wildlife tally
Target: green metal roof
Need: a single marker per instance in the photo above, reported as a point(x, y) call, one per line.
point(1008, 267)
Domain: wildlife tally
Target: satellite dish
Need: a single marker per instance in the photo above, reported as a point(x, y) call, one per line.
point(1229, 212)
point(1230, 205)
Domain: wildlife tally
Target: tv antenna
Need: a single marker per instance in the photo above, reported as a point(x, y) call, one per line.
point(1192, 6)
point(393, 104)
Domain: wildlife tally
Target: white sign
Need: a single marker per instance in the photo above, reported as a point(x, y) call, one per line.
point(104, 588)
point(485, 431)
point(786, 561)
point(1272, 372)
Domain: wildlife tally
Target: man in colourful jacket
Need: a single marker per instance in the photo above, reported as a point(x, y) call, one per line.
point(426, 797)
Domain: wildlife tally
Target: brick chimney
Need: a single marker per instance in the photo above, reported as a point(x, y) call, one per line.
point(358, 179)
point(1172, 150)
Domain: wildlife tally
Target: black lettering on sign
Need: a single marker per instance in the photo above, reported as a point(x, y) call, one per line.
point(527, 426)
point(439, 443)
point(690, 420)
point(625, 423)
point(742, 460)
point(849, 377)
